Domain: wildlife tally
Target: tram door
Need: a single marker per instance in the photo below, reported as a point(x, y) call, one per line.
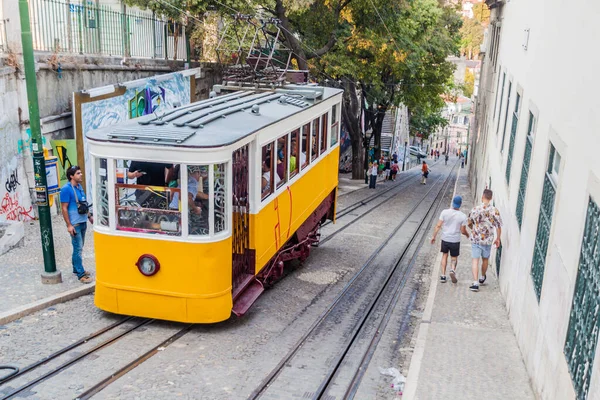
point(243, 268)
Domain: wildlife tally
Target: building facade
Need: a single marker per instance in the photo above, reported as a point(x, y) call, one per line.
point(534, 143)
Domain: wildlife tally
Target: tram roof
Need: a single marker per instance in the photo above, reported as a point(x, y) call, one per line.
point(218, 121)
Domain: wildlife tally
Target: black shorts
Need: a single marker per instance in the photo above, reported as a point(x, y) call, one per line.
point(453, 248)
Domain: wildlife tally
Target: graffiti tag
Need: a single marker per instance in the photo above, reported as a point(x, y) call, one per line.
point(12, 182)
point(11, 210)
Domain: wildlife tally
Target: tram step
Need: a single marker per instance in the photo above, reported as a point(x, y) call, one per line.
point(247, 297)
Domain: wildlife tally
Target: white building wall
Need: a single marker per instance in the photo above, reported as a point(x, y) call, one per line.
point(556, 76)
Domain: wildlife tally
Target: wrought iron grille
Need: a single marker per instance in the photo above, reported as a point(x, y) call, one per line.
point(582, 336)
point(513, 133)
point(523, 183)
point(498, 260)
point(506, 116)
point(542, 236)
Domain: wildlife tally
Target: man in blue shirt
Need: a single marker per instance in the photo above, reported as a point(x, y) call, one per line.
point(71, 196)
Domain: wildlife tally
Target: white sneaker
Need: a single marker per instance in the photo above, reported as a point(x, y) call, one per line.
point(453, 276)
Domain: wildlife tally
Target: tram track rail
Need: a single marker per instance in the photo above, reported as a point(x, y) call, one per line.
point(63, 366)
point(348, 209)
point(379, 195)
point(356, 327)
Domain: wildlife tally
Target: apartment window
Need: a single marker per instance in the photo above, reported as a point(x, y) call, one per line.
point(513, 134)
point(525, 169)
point(542, 236)
point(497, 89)
point(506, 116)
point(501, 97)
point(584, 324)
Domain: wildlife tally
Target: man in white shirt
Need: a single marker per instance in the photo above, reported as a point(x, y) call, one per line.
point(452, 223)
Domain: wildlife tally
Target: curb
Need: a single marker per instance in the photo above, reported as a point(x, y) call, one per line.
point(30, 308)
point(414, 369)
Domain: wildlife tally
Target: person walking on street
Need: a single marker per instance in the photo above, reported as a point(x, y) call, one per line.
point(425, 171)
point(446, 158)
point(394, 171)
point(75, 211)
point(373, 175)
point(482, 221)
point(452, 223)
point(462, 160)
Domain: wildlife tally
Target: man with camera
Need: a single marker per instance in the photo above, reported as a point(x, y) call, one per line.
point(75, 211)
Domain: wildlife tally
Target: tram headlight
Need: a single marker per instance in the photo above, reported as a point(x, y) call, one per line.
point(148, 265)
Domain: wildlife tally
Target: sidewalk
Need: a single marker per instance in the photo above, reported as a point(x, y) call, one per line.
point(22, 291)
point(466, 348)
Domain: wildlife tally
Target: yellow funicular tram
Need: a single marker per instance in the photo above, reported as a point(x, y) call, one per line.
point(198, 207)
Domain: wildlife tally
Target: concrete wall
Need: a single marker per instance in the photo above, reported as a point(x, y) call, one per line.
point(555, 76)
point(15, 202)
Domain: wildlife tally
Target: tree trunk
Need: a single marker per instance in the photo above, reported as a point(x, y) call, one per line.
point(377, 128)
point(351, 121)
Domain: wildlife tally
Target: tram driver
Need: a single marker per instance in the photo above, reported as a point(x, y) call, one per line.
point(149, 174)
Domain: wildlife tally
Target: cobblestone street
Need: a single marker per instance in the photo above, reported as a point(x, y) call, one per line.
point(227, 360)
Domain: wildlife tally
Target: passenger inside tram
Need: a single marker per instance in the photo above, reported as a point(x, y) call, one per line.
point(149, 174)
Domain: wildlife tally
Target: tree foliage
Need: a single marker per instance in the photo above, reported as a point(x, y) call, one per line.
point(383, 53)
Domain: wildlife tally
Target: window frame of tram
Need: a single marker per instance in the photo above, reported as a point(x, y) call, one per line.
point(582, 334)
point(335, 124)
point(306, 136)
point(151, 220)
point(295, 137)
point(545, 218)
point(315, 138)
point(323, 142)
point(267, 149)
point(282, 155)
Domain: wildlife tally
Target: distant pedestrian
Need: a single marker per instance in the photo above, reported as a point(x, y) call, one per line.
point(425, 173)
point(387, 169)
point(373, 175)
point(452, 223)
point(446, 158)
point(394, 171)
point(75, 211)
point(462, 160)
point(432, 153)
point(482, 221)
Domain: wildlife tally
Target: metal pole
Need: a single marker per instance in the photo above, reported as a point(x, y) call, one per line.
point(50, 274)
point(366, 144)
point(404, 158)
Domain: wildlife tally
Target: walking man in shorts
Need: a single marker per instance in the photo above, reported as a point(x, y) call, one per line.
point(452, 223)
point(482, 220)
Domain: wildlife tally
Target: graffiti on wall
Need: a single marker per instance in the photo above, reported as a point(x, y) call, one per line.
point(27, 143)
point(146, 101)
point(66, 151)
point(15, 204)
point(172, 92)
point(345, 151)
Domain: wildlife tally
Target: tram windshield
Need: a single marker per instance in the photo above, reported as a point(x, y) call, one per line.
point(150, 197)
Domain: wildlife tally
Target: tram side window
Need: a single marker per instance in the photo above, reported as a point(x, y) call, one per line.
point(268, 178)
point(144, 192)
point(198, 198)
point(294, 151)
point(335, 125)
point(323, 145)
point(304, 159)
point(315, 139)
point(282, 160)
point(102, 191)
point(220, 197)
